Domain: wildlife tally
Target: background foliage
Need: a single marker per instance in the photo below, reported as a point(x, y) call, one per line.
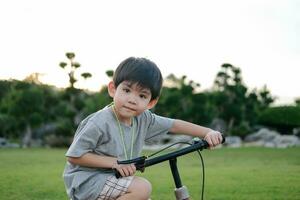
point(32, 110)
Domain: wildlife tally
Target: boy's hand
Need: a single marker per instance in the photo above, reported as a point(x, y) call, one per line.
point(125, 170)
point(213, 138)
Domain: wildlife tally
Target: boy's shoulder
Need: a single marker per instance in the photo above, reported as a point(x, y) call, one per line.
point(100, 117)
point(146, 115)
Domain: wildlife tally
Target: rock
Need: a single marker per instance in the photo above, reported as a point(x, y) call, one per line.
point(5, 144)
point(233, 141)
point(271, 139)
point(284, 141)
point(296, 131)
point(269, 144)
point(264, 134)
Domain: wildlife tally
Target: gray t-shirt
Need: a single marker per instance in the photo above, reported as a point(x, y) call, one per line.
point(99, 134)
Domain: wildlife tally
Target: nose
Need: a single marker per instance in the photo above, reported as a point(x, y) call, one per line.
point(132, 99)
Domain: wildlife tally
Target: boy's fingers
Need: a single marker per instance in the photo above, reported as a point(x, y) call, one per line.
point(130, 170)
point(208, 140)
point(127, 170)
point(215, 142)
point(213, 138)
point(220, 138)
point(133, 169)
point(121, 172)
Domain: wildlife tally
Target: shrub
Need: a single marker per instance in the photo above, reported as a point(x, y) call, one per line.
point(242, 130)
point(282, 118)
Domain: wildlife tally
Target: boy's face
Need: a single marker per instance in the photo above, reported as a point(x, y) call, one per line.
point(130, 99)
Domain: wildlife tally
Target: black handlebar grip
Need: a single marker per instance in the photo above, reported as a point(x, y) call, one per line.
point(117, 173)
point(223, 139)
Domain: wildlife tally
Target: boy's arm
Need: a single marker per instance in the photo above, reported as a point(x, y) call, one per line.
point(183, 127)
point(97, 161)
point(93, 160)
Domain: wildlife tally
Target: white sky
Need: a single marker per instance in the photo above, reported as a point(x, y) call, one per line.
point(185, 37)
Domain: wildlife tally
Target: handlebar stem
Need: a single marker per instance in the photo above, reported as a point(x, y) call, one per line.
point(175, 173)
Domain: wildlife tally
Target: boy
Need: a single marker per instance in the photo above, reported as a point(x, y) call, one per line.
point(118, 132)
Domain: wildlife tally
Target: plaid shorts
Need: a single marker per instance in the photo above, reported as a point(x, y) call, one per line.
point(114, 188)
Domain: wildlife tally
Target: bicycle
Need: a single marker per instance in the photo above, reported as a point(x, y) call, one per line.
point(181, 191)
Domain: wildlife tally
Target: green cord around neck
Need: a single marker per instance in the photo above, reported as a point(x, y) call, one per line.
point(121, 132)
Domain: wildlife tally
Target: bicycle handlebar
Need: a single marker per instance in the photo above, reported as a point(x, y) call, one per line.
point(142, 162)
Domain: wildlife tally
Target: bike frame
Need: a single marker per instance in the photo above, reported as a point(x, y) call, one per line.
point(181, 192)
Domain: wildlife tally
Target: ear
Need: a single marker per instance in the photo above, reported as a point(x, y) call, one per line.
point(111, 89)
point(152, 103)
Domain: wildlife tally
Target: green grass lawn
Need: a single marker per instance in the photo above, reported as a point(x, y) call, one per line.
point(242, 173)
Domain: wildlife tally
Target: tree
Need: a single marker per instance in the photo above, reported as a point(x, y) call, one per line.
point(235, 104)
point(73, 95)
point(24, 107)
point(230, 95)
point(71, 69)
point(5, 87)
point(297, 101)
point(34, 78)
point(180, 99)
point(110, 73)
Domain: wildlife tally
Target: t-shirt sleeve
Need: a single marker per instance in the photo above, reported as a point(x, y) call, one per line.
point(158, 125)
point(85, 140)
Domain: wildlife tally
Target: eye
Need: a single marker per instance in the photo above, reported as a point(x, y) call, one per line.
point(126, 90)
point(143, 96)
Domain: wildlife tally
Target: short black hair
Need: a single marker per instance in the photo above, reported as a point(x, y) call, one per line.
point(141, 71)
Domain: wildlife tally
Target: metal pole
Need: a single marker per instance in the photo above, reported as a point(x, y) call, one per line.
point(181, 192)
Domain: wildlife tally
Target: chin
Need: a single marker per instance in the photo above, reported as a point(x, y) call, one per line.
point(127, 114)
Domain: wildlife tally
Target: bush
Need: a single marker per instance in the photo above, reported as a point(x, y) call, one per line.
point(58, 141)
point(242, 130)
point(282, 118)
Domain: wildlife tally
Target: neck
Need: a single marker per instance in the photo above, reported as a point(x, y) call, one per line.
point(124, 120)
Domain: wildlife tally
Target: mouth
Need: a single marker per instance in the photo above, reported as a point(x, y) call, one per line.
point(128, 108)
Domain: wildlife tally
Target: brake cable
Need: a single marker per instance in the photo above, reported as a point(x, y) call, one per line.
point(199, 153)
